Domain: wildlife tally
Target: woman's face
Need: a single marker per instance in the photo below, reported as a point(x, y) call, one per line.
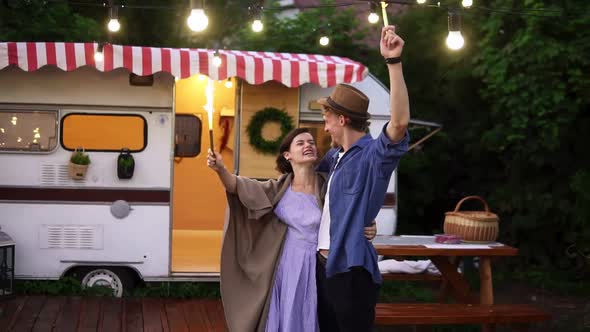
point(302, 150)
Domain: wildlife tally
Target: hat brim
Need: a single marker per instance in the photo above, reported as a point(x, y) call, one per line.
point(323, 101)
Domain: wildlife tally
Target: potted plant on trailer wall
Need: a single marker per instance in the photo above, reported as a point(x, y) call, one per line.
point(79, 162)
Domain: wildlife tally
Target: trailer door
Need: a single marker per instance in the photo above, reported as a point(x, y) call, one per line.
point(198, 197)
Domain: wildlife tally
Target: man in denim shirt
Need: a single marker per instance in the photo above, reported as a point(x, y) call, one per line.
point(347, 274)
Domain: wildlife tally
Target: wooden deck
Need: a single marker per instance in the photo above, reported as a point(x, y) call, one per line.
point(85, 314)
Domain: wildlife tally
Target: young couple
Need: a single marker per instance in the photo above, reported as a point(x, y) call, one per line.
point(295, 255)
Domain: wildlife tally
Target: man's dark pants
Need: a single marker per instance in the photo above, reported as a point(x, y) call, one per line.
point(346, 301)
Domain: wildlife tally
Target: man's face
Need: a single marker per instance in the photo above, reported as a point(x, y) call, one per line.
point(333, 126)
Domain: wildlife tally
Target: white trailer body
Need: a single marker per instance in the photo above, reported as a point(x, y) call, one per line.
point(61, 225)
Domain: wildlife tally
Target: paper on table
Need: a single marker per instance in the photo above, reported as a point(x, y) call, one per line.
point(457, 246)
point(403, 240)
point(427, 241)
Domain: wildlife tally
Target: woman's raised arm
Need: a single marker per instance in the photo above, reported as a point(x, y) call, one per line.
point(215, 162)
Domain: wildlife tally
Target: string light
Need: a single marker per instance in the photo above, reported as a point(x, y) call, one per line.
point(228, 83)
point(373, 16)
point(257, 25)
point(197, 20)
point(216, 59)
point(99, 55)
point(455, 40)
point(113, 24)
point(324, 32)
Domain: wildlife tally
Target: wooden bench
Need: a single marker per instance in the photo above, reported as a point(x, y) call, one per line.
point(443, 313)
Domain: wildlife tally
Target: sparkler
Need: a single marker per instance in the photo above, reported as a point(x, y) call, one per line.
point(209, 93)
point(384, 13)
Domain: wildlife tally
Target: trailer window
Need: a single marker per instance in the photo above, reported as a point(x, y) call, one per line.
point(103, 132)
point(28, 131)
point(187, 137)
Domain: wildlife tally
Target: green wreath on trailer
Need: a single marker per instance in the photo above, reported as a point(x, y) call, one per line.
point(259, 119)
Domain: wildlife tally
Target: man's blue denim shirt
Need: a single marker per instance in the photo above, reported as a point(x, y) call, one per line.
point(357, 191)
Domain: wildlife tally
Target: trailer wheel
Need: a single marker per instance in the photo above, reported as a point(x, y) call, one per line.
point(120, 280)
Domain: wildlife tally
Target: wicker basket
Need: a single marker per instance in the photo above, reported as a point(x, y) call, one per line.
point(472, 226)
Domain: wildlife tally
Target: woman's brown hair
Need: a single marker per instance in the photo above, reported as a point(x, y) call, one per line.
point(283, 165)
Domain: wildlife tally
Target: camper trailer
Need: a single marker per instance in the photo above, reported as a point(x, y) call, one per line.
point(145, 107)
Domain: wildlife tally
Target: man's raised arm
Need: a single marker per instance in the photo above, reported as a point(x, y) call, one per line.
point(391, 46)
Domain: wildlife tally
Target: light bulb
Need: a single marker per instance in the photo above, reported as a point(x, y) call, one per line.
point(421, 2)
point(114, 25)
point(197, 21)
point(455, 40)
point(257, 26)
point(467, 3)
point(216, 60)
point(373, 18)
point(229, 84)
point(98, 56)
point(324, 41)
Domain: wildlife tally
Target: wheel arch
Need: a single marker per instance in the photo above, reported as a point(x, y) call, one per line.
point(72, 268)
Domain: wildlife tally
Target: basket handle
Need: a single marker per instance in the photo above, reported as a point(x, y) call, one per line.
point(485, 204)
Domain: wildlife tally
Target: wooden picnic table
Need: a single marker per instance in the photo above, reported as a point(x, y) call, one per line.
point(469, 308)
point(445, 258)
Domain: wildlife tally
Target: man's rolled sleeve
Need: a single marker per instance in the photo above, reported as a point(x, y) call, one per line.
point(386, 148)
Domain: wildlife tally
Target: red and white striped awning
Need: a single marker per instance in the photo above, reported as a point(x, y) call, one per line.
point(290, 69)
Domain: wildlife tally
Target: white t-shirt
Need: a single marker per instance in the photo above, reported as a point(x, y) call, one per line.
point(324, 233)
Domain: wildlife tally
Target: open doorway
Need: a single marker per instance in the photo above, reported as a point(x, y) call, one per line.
point(198, 197)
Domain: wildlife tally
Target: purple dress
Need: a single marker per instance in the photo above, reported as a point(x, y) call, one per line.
point(293, 305)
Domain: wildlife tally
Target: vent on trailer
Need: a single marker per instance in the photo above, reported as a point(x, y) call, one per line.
point(71, 237)
point(56, 174)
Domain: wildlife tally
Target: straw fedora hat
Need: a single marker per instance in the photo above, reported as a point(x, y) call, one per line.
point(348, 101)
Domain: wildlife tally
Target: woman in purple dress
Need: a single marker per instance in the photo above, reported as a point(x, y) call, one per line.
point(269, 252)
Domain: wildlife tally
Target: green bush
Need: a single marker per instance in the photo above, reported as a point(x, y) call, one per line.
point(69, 286)
point(65, 286)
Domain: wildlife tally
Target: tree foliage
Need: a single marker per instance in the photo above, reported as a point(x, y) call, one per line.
point(514, 104)
point(534, 73)
point(37, 20)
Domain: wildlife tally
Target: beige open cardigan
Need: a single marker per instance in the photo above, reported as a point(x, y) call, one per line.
point(251, 249)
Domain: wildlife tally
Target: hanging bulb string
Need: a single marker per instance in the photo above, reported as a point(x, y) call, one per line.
point(534, 12)
point(198, 20)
